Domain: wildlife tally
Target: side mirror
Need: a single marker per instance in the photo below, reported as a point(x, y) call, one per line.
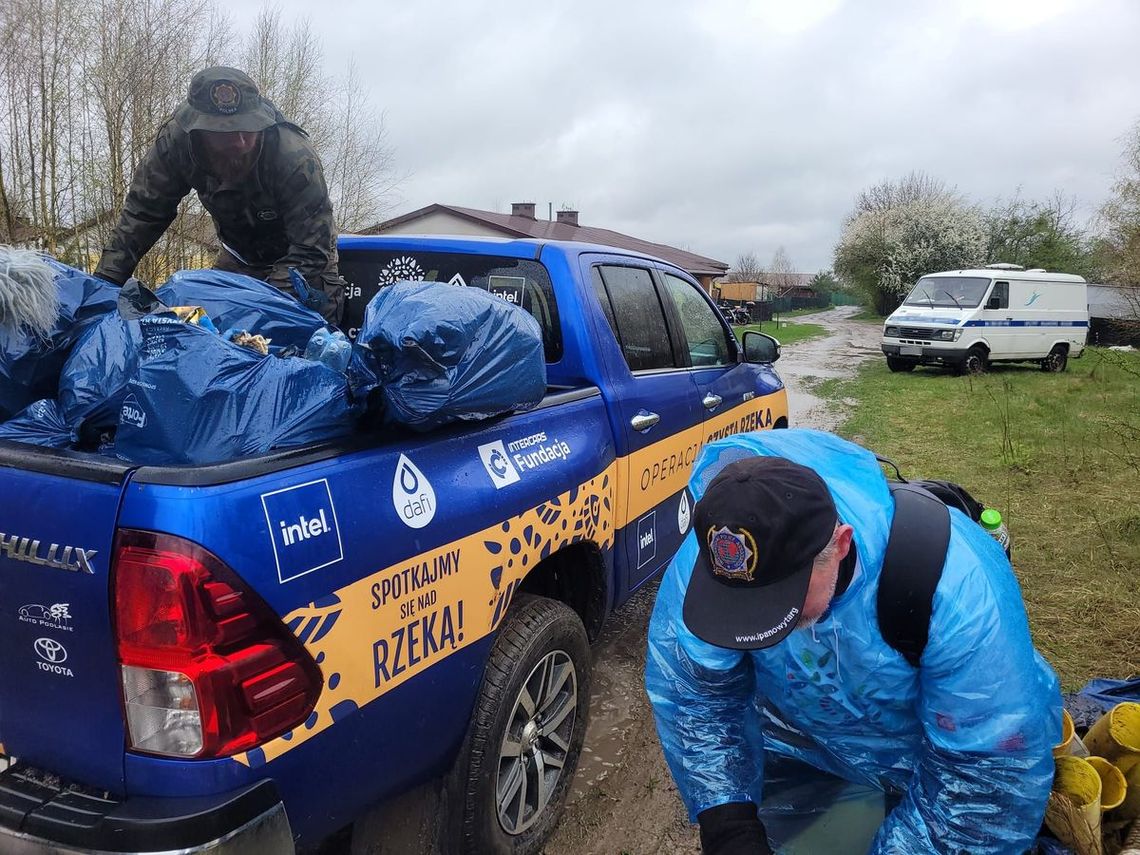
point(760, 348)
point(993, 303)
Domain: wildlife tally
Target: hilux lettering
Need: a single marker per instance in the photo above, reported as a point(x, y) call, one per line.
point(73, 558)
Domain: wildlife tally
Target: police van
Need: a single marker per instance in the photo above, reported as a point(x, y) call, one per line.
point(968, 319)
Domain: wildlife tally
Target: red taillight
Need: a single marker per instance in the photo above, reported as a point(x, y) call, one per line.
point(208, 669)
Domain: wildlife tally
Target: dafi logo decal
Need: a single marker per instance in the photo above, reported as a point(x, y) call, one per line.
point(302, 528)
point(683, 513)
point(412, 495)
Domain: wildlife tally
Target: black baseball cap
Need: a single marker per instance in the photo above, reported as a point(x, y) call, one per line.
point(224, 99)
point(760, 525)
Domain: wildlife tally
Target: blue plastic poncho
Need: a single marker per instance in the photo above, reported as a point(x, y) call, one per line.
point(966, 739)
point(197, 399)
point(444, 353)
point(235, 302)
point(30, 366)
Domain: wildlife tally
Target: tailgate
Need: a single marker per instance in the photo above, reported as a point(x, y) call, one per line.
point(60, 696)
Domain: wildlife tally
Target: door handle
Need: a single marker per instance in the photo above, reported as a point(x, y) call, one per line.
point(644, 421)
point(711, 401)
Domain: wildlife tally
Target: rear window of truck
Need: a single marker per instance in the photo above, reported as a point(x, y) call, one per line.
point(521, 281)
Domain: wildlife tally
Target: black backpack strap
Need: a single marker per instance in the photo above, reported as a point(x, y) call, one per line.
point(912, 566)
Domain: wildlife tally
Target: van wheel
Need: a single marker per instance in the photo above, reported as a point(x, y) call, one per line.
point(974, 362)
point(896, 364)
point(1057, 360)
point(527, 729)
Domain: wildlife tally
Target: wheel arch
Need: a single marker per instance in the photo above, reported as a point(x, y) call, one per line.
point(575, 575)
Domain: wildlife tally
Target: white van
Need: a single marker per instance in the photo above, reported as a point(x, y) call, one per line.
point(1003, 313)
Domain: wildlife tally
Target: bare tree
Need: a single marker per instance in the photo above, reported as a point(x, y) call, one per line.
point(1119, 226)
point(780, 275)
point(746, 269)
point(346, 128)
point(86, 84)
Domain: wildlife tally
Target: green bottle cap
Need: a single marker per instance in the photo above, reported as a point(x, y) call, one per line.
point(991, 519)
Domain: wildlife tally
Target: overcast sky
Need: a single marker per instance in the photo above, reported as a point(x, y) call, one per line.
point(729, 126)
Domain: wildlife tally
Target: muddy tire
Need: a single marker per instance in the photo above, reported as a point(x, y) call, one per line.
point(974, 362)
point(896, 364)
point(526, 730)
point(1056, 361)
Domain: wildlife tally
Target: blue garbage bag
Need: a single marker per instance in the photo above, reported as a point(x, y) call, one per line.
point(236, 302)
point(40, 423)
point(444, 353)
point(197, 399)
point(94, 379)
point(1097, 697)
point(30, 366)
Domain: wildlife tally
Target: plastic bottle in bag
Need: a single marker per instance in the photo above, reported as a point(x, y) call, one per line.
point(995, 528)
point(332, 349)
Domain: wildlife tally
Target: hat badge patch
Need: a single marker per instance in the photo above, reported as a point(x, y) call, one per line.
point(226, 97)
point(733, 553)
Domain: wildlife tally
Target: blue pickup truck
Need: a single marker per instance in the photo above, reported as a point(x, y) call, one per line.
point(248, 657)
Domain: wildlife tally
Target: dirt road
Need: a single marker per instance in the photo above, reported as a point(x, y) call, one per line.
point(624, 800)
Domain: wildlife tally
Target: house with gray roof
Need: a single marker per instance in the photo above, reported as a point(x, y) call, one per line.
point(521, 222)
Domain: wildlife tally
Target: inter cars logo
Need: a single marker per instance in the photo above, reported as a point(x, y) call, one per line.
point(498, 464)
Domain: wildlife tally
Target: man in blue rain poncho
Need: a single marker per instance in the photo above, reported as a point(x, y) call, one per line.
point(764, 645)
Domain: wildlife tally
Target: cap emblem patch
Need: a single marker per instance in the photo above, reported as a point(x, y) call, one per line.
point(226, 97)
point(733, 553)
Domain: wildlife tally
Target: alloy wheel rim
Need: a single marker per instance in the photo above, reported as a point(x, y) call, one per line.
point(535, 748)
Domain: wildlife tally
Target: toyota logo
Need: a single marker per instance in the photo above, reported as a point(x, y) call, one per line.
point(50, 650)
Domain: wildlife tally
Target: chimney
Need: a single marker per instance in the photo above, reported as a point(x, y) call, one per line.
point(570, 218)
point(522, 209)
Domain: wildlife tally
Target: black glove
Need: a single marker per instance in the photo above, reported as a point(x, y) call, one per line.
point(733, 829)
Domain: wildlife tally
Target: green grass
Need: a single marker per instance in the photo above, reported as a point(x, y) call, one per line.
point(1059, 456)
point(786, 334)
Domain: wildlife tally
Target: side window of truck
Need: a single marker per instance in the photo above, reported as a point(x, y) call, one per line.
point(706, 338)
point(999, 297)
point(633, 309)
point(520, 281)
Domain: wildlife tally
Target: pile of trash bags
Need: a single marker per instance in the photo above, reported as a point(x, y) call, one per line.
point(215, 366)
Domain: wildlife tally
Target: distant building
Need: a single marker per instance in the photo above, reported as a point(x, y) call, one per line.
point(791, 285)
point(1114, 314)
point(440, 219)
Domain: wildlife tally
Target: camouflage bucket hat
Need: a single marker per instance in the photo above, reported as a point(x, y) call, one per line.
point(224, 99)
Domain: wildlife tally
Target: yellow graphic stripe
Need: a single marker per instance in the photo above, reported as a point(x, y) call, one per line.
point(660, 470)
point(401, 620)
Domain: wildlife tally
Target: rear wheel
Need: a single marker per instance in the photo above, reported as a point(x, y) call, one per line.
point(527, 729)
point(1057, 360)
point(974, 362)
point(895, 363)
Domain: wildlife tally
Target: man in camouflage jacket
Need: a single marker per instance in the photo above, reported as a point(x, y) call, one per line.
point(258, 176)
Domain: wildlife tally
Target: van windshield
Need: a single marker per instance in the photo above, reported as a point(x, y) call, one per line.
point(948, 292)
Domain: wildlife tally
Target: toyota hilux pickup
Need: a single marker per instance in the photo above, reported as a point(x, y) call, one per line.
point(254, 655)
